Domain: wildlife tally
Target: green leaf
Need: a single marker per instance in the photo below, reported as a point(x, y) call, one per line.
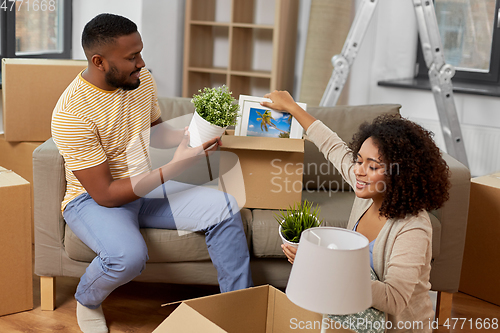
point(217, 106)
point(297, 218)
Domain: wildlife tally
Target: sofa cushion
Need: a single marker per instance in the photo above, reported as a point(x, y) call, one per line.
point(174, 107)
point(163, 245)
point(344, 120)
point(335, 210)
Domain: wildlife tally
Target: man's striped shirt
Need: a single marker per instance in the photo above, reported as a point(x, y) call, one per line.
point(91, 125)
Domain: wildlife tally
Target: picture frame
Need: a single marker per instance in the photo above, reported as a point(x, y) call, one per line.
point(256, 120)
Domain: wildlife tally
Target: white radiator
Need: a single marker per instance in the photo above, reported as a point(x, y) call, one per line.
point(482, 145)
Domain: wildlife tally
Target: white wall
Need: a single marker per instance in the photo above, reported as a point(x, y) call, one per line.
point(163, 37)
point(85, 10)
point(388, 52)
point(161, 24)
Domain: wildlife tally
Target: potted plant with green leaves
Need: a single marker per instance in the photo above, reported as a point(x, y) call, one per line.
point(295, 219)
point(215, 110)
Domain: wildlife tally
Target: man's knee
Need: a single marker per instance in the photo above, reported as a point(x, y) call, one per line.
point(128, 262)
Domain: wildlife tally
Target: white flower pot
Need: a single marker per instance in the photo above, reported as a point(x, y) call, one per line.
point(285, 241)
point(201, 131)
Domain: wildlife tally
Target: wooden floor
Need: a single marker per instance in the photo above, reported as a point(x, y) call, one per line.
point(135, 307)
point(468, 313)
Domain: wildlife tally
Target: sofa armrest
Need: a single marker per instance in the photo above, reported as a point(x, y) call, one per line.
point(49, 184)
point(446, 267)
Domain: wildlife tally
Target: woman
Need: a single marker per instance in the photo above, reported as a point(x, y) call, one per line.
point(398, 174)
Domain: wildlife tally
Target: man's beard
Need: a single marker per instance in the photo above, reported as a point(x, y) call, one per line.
point(116, 81)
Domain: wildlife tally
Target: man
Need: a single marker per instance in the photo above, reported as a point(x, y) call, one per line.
point(98, 118)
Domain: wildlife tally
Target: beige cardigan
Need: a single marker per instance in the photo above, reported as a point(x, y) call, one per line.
point(402, 250)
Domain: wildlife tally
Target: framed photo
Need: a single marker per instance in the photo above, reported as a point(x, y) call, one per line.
point(257, 120)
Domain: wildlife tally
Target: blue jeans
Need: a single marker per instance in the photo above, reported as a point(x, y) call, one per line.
point(113, 234)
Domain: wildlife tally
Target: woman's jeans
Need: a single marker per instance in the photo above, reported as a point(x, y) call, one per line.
point(113, 234)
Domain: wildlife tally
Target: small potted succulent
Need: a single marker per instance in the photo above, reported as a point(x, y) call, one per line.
point(215, 110)
point(296, 219)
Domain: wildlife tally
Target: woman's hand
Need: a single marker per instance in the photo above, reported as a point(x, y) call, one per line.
point(290, 252)
point(281, 101)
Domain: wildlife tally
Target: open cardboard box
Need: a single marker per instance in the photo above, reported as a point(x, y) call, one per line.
point(272, 169)
point(481, 262)
point(262, 309)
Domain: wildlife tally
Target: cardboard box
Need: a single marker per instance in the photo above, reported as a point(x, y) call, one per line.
point(31, 89)
point(481, 263)
point(16, 276)
point(272, 169)
point(262, 309)
point(18, 157)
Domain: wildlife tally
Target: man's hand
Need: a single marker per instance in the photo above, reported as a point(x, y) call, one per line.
point(164, 136)
point(186, 156)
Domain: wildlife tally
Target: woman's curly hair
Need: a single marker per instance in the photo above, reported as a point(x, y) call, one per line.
point(417, 175)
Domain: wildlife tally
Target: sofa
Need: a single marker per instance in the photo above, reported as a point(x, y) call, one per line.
point(182, 258)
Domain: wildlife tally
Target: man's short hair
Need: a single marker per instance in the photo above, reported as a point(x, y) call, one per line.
point(104, 29)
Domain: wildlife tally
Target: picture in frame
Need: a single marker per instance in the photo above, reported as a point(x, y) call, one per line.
point(257, 120)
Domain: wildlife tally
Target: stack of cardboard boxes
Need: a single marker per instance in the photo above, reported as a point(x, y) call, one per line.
point(30, 90)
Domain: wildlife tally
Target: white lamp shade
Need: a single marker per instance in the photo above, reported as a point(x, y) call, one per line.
point(331, 272)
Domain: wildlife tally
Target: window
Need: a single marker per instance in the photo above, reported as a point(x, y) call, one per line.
point(470, 38)
point(35, 28)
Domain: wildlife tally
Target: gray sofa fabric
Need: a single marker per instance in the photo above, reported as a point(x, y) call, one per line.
point(182, 257)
